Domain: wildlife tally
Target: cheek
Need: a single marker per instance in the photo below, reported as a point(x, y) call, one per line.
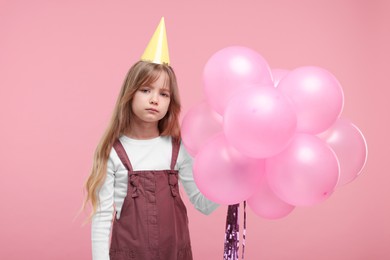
point(137, 100)
point(168, 104)
point(133, 104)
point(166, 107)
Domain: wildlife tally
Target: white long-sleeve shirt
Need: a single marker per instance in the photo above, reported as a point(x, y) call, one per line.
point(151, 154)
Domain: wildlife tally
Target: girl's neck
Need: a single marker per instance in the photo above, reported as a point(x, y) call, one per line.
point(143, 131)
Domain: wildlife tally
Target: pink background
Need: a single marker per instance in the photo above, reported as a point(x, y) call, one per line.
point(62, 64)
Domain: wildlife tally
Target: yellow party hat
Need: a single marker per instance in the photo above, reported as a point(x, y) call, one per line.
point(157, 49)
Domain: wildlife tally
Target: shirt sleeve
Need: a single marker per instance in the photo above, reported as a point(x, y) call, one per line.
point(102, 219)
point(186, 177)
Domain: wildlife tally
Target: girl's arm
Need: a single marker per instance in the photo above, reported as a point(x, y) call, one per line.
point(102, 219)
point(113, 192)
point(186, 177)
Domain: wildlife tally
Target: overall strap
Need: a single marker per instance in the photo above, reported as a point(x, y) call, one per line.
point(133, 178)
point(175, 152)
point(173, 176)
point(120, 150)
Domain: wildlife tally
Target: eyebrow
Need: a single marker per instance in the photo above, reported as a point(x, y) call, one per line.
point(164, 88)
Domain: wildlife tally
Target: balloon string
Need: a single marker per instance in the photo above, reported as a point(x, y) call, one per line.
point(244, 231)
point(231, 234)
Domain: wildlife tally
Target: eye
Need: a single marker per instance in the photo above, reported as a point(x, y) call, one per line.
point(144, 90)
point(165, 94)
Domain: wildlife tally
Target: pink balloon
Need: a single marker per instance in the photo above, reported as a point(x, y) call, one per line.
point(278, 74)
point(199, 125)
point(317, 96)
point(305, 173)
point(259, 121)
point(232, 69)
point(348, 142)
point(223, 174)
point(266, 204)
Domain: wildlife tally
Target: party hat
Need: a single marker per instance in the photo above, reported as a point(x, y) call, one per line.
point(157, 49)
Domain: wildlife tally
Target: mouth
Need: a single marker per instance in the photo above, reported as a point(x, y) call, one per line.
point(152, 110)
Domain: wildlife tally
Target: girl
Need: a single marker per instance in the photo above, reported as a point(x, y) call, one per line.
point(133, 186)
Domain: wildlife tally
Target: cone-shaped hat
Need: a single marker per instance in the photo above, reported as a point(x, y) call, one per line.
point(157, 49)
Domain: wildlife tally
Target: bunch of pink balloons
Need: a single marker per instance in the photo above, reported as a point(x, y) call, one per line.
point(272, 137)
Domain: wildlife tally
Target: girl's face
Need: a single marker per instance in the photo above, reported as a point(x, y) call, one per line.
point(150, 102)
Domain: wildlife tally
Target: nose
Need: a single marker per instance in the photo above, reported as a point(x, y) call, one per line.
point(153, 100)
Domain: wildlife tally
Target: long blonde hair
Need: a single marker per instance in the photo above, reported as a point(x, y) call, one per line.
point(140, 74)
